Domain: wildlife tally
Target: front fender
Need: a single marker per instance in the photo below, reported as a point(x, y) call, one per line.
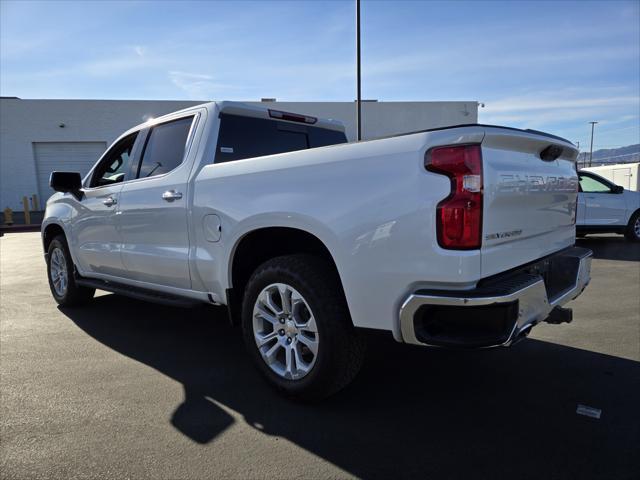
point(59, 212)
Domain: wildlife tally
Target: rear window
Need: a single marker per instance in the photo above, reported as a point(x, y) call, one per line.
point(247, 137)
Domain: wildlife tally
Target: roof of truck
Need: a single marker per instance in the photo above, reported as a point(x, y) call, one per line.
point(246, 110)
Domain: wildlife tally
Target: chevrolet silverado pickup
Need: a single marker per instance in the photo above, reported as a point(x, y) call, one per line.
point(454, 237)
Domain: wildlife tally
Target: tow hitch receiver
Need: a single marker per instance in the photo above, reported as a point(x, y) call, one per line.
point(560, 315)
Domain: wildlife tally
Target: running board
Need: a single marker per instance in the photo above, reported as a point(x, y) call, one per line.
point(138, 293)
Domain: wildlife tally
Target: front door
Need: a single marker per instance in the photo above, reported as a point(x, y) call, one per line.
point(152, 214)
point(602, 205)
point(95, 232)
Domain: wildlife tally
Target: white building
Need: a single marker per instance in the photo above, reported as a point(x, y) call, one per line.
point(39, 136)
point(626, 175)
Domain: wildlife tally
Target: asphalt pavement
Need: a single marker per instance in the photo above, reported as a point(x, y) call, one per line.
point(120, 389)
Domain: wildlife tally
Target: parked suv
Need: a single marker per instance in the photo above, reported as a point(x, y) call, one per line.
point(604, 207)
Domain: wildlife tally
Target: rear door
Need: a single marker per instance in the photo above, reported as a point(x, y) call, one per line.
point(529, 203)
point(152, 215)
point(602, 205)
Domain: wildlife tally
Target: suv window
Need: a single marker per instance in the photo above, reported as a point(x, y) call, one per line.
point(247, 137)
point(114, 166)
point(165, 147)
point(591, 185)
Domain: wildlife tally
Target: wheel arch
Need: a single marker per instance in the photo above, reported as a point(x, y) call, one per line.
point(261, 244)
point(629, 229)
point(51, 231)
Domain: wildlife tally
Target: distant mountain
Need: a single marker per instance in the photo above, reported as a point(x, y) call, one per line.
point(630, 153)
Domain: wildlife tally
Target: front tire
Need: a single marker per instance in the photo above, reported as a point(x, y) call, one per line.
point(633, 228)
point(60, 272)
point(297, 328)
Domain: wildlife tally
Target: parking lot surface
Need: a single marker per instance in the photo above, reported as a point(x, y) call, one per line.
point(120, 388)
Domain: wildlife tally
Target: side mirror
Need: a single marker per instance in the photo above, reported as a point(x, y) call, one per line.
point(66, 182)
point(618, 189)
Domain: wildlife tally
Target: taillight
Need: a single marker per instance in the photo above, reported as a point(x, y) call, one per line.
point(459, 216)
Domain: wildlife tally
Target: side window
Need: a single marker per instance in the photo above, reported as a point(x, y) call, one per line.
point(591, 185)
point(114, 166)
point(165, 147)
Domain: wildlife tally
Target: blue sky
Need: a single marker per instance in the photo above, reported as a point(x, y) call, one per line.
point(546, 65)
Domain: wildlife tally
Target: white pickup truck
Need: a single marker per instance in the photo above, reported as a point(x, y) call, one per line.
point(453, 237)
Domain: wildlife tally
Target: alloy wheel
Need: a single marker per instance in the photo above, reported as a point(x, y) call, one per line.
point(58, 272)
point(285, 331)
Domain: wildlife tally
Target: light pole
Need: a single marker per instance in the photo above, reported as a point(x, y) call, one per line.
point(593, 124)
point(358, 94)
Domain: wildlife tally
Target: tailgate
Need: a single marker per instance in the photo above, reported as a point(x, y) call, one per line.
point(529, 203)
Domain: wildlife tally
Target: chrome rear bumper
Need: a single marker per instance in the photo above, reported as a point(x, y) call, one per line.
point(519, 299)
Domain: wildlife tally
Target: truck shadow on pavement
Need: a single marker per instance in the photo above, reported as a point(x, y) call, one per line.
point(412, 412)
point(611, 247)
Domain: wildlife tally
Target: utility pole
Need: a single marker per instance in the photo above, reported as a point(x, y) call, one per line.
point(593, 124)
point(359, 92)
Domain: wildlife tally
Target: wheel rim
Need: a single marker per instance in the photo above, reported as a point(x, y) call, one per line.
point(58, 272)
point(636, 227)
point(285, 331)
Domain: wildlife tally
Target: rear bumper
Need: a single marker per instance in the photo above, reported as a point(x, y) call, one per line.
point(501, 309)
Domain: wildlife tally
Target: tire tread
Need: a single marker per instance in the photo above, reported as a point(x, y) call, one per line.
point(629, 232)
point(76, 294)
point(347, 347)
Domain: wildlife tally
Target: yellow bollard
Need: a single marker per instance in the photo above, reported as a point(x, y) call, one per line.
point(27, 214)
point(35, 205)
point(8, 216)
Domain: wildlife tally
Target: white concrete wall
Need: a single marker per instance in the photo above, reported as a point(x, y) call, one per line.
point(23, 122)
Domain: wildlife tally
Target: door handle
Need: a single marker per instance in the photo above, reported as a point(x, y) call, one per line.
point(171, 195)
point(109, 201)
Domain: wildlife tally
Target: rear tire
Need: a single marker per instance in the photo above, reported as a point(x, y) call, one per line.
point(633, 228)
point(60, 272)
point(294, 307)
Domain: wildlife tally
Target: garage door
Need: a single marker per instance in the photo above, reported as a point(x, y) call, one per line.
point(65, 156)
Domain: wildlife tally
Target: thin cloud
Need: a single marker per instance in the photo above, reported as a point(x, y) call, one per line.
point(199, 85)
point(554, 103)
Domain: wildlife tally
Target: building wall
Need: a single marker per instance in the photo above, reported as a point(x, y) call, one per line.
point(24, 122)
